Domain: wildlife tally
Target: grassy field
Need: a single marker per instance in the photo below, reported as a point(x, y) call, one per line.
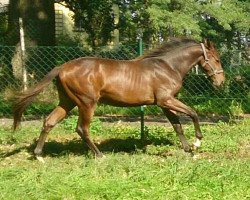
point(153, 169)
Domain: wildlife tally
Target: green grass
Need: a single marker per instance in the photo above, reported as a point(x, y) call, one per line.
point(153, 169)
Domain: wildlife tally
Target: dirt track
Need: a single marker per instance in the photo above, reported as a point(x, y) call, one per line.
point(135, 121)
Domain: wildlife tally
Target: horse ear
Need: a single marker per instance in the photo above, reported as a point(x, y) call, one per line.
point(205, 42)
point(208, 44)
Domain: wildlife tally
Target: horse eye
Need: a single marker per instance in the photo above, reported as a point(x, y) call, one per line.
point(217, 59)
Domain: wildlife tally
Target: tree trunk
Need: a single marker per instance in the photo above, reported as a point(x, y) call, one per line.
point(39, 21)
point(38, 18)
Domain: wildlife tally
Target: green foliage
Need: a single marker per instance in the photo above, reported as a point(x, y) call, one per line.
point(238, 81)
point(217, 20)
point(229, 13)
point(3, 24)
point(198, 92)
point(134, 21)
point(197, 85)
point(95, 17)
point(70, 124)
point(159, 19)
point(5, 108)
point(225, 22)
point(121, 52)
point(153, 170)
point(40, 108)
point(175, 17)
point(235, 109)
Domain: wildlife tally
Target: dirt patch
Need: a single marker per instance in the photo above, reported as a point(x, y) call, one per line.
point(6, 122)
point(136, 121)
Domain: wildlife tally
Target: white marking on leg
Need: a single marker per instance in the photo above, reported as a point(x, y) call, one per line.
point(197, 143)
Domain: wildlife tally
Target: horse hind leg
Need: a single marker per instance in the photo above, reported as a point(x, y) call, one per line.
point(58, 114)
point(85, 115)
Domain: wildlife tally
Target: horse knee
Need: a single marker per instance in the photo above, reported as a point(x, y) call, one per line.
point(54, 117)
point(47, 125)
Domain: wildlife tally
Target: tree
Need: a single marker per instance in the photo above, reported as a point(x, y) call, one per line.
point(39, 21)
point(39, 29)
point(95, 17)
point(3, 23)
point(226, 22)
point(134, 21)
point(218, 20)
point(174, 18)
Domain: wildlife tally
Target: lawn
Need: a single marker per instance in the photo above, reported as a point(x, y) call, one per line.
point(155, 168)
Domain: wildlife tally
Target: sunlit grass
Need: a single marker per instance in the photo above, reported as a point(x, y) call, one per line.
point(153, 169)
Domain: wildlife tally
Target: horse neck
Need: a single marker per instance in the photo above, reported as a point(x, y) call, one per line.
point(185, 59)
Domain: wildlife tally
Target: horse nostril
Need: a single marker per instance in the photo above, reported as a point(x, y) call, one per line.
point(221, 84)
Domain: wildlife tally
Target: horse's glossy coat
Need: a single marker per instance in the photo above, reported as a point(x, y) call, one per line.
point(152, 79)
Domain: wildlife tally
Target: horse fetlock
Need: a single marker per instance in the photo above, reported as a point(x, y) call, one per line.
point(187, 148)
point(100, 155)
point(199, 135)
point(38, 152)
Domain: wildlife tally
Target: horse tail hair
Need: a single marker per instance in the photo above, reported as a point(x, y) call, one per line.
point(24, 99)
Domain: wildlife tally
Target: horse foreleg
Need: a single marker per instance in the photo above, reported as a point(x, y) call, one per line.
point(54, 117)
point(174, 120)
point(176, 105)
point(85, 115)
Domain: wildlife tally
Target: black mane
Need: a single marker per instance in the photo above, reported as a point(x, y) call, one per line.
point(170, 46)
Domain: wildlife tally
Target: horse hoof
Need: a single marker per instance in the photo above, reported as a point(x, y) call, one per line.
point(196, 157)
point(99, 155)
point(187, 149)
point(40, 159)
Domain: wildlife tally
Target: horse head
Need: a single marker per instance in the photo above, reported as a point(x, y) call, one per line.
point(211, 64)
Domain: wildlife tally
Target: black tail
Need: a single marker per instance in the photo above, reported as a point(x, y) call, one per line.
point(24, 99)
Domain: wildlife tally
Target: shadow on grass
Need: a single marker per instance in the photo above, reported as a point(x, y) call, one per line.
point(55, 148)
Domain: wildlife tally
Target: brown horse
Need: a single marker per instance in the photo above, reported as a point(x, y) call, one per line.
point(152, 79)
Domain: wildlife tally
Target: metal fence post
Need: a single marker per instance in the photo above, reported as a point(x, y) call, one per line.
point(140, 45)
point(23, 54)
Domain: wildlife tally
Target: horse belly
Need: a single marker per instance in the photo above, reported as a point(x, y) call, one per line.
point(124, 95)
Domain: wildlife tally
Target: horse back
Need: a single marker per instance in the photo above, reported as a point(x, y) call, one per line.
point(115, 82)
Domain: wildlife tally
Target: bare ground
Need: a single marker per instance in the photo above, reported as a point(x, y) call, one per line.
point(136, 121)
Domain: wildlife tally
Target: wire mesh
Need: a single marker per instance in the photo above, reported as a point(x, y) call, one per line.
point(197, 90)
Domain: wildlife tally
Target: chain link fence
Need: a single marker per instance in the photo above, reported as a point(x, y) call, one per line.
point(197, 91)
